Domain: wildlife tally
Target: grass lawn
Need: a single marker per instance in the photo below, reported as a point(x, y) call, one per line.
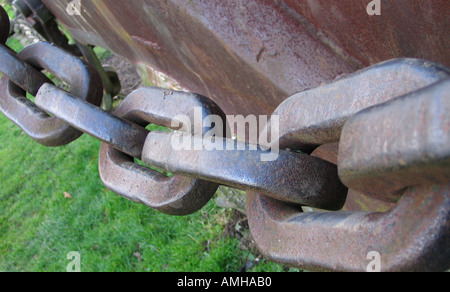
point(52, 202)
point(40, 225)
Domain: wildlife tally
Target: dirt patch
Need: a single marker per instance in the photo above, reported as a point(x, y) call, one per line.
point(237, 227)
point(128, 76)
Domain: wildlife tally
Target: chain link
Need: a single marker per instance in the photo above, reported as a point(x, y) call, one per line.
point(4, 26)
point(390, 121)
point(326, 108)
point(401, 146)
point(407, 145)
point(83, 80)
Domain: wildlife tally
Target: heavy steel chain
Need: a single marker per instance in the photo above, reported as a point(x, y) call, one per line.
point(390, 125)
point(395, 151)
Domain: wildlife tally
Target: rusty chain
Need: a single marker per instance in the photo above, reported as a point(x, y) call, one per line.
point(389, 124)
point(395, 151)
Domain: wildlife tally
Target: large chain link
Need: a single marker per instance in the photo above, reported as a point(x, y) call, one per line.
point(390, 123)
point(395, 151)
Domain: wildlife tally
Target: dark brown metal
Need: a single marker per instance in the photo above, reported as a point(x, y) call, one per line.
point(162, 106)
point(356, 201)
point(122, 134)
point(84, 83)
point(21, 73)
point(410, 28)
point(415, 233)
point(91, 57)
point(4, 26)
point(18, 71)
point(292, 177)
point(110, 79)
point(250, 55)
point(177, 195)
point(325, 109)
point(414, 236)
point(44, 22)
point(401, 143)
point(262, 51)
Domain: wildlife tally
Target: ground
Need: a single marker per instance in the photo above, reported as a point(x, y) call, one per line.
point(237, 225)
point(53, 203)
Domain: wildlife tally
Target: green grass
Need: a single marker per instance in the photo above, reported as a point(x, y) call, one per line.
point(8, 8)
point(39, 226)
point(14, 44)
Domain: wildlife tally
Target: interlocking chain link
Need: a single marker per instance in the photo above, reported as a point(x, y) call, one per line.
point(407, 145)
point(399, 145)
point(83, 80)
point(4, 26)
point(390, 121)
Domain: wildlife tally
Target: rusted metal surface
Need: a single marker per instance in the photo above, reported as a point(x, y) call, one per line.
point(414, 236)
point(162, 106)
point(292, 177)
point(261, 51)
point(326, 109)
point(342, 240)
point(405, 28)
point(248, 55)
point(124, 136)
point(283, 178)
point(356, 201)
point(4, 26)
point(407, 144)
point(20, 72)
point(84, 83)
point(110, 87)
point(44, 22)
point(177, 195)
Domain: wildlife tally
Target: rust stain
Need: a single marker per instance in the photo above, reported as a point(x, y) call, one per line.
point(146, 43)
point(113, 22)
